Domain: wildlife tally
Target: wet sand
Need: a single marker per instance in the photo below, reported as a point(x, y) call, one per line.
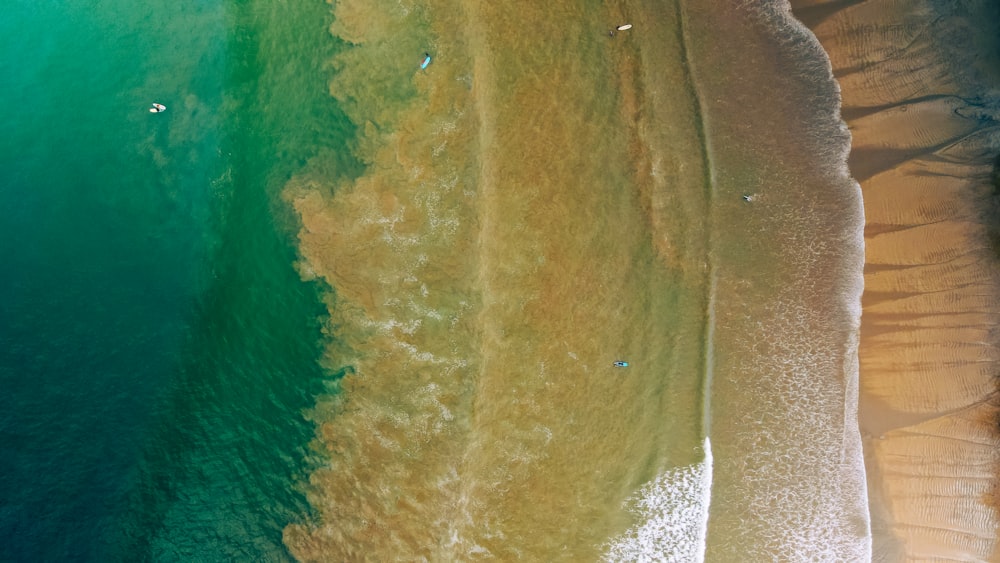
point(923, 149)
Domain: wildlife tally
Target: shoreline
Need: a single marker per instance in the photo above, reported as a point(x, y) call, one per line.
point(473, 206)
point(927, 354)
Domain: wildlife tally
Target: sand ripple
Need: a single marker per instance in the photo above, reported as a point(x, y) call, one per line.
point(915, 97)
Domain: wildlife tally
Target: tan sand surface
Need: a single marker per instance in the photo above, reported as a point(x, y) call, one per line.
point(928, 349)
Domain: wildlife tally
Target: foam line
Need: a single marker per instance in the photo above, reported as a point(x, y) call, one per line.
point(672, 510)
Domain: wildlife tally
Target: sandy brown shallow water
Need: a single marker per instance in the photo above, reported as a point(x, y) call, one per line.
point(545, 199)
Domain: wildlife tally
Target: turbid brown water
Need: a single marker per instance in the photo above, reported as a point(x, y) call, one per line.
point(543, 200)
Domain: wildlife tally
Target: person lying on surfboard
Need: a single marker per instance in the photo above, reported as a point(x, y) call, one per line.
point(157, 108)
point(623, 27)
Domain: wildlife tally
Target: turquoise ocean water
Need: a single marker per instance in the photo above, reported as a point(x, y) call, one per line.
point(157, 348)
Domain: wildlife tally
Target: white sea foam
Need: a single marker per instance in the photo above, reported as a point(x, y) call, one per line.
point(673, 516)
point(798, 481)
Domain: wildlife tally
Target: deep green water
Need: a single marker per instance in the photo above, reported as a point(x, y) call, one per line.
point(157, 348)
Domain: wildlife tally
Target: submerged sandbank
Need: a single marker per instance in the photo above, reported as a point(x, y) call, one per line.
point(919, 96)
point(542, 200)
point(503, 248)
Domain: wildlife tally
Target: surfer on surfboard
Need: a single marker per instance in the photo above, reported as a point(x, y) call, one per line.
point(427, 61)
point(157, 108)
point(623, 27)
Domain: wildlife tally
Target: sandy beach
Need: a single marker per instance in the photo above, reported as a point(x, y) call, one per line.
point(923, 150)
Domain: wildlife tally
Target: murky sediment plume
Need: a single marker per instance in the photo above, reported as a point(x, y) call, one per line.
point(545, 199)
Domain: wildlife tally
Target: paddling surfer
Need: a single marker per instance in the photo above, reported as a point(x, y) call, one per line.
point(623, 27)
